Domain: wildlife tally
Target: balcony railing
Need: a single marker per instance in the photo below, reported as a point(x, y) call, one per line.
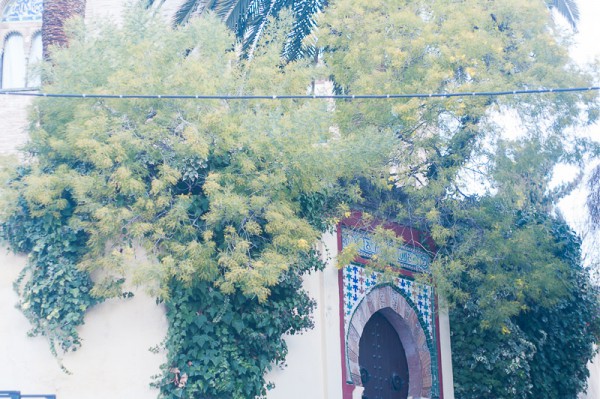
point(19, 395)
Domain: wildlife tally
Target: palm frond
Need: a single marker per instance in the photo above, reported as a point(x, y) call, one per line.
point(305, 12)
point(189, 8)
point(256, 20)
point(251, 40)
point(568, 9)
point(248, 19)
point(251, 18)
point(230, 11)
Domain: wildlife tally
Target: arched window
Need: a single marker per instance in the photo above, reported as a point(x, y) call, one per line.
point(13, 62)
point(22, 10)
point(35, 56)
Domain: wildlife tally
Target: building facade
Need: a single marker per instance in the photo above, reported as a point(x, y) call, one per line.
point(20, 42)
point(373, 336)
point(353, 305)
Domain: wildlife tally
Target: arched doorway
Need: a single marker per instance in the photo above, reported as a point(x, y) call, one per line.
point(382, 360)
point(388, 302)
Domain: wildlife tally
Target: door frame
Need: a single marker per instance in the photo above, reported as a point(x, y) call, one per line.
point(394, 307)
point(418, 328)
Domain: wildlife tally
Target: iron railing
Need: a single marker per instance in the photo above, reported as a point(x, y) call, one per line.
point(19, 395)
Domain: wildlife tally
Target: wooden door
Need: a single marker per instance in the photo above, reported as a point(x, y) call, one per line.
point(382, 360)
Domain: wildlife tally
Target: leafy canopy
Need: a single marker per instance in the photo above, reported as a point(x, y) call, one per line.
point(210, 189)
point(248, 19)
point(228, 198)
point(435, 46)
point(215, 206)
point(505, 263)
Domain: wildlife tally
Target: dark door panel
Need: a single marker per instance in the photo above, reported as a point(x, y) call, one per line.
point(382, 360)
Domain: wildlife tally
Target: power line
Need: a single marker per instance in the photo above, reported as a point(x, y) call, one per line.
point(32, 93)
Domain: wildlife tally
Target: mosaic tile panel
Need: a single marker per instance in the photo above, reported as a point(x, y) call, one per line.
point(23, 10)
point(357, 283)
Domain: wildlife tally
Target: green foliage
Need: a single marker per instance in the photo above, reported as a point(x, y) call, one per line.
point(435, 46)
point(220, 346)
point(488, 363)
point(249, 20)
point(573, 325)
point(54, 294)
point(500, 262)
point(226, 199)
point(540, 352)
point(568, 9)
point(525, 316)
point(215, 191)
point(524, 319)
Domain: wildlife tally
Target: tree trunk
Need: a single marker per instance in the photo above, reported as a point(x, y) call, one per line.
point(56, 13)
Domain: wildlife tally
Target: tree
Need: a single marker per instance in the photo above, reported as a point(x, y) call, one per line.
point(424, 48)
point(568, 9)
point(56, 13)
point(544, 298)
point(249, 18)
point(228, 197)
point(501, 262)
point(225, 197)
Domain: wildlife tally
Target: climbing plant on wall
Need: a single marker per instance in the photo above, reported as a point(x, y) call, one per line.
point(503, 262)
point(228, 198)
point(225, 198)
point(54, 293)
point(538, 340)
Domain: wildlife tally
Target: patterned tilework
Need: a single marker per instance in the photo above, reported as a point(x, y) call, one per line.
point(408, 257)
point(357, 283)
point(23, 10)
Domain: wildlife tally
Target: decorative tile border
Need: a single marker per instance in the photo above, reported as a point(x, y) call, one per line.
point(357, 282)
point(23, 10)
point(408, 305)
point(408, 257)
point(412, 304)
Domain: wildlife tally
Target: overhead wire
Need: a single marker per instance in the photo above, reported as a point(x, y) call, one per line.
point(35, 93)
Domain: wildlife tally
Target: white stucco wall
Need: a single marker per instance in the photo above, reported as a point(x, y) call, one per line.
point(446, 354)
point(113, 362)
point(13, 123)
point(593, 389)
point(314, 360)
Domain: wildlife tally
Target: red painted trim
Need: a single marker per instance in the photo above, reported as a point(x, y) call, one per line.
point(439, 346)
point(346, 388)
point(354, 221)
point(412, 237)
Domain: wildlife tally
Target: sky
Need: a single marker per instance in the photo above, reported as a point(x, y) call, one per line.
point(588, 37)
point(585, 49)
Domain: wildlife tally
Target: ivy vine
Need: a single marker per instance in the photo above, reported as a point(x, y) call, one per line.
point(54, 293)
point(228, 198)
point(220, 346)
